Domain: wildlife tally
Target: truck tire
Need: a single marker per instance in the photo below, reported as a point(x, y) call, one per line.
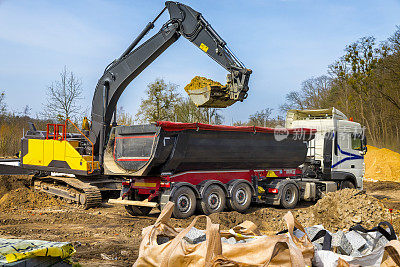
point(136, 210)
point(240, 199)
point(213, 200)
point(347, 184)
point(289, 196)
point(185, 202)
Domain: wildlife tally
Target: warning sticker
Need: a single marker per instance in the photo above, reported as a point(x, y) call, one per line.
point(204, 47)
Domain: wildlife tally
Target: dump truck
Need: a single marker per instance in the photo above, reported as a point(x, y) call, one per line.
point(212, 167)
point(71, 164)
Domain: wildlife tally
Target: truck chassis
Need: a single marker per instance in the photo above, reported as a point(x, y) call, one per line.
point(212, 191)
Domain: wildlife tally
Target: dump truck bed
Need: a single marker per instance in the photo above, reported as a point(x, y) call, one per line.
point(168, 147)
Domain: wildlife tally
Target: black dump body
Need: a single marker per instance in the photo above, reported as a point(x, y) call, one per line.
point(168, 147)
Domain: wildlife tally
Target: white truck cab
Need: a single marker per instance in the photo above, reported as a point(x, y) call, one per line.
point(339, 144)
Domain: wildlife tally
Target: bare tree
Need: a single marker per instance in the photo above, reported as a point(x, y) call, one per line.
point(186, 111)
point(260, 118)
point(62, 97)
point(123, 117)
point(314, 93)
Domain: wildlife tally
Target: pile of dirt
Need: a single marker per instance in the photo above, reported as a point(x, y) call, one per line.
point(200, 82)
point(345, 208)
point(382, 164)
point(10, 182)
point(26, 199)
point(337, 210)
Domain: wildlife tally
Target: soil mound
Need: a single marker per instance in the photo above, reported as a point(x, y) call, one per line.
point(10, 182)
point(382, 164)
point(337, 210)
point(26, 199)
point(200, 82)
point(347, 207)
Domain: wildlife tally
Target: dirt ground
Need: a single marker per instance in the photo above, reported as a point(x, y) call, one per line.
point(108, 236)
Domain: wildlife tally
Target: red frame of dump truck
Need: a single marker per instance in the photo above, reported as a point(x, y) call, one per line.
point(179, 126)
point(151, 185)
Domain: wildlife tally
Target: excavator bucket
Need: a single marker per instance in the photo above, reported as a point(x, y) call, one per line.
point(210, 96)
point(206, 93)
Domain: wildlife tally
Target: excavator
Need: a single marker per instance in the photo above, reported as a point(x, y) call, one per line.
point(72, 165)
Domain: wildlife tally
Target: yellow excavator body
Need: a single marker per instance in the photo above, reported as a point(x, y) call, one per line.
point(57, 155)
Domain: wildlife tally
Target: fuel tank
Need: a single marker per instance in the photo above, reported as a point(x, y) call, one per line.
point(169, 147)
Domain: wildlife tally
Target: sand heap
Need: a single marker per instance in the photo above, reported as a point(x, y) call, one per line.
point(382, 164)
point(200, 82)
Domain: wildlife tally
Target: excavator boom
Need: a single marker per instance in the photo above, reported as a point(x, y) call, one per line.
point(186, 22)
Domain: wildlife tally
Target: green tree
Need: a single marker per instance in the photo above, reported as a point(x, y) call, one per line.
point(365, 84)
point(161, 99)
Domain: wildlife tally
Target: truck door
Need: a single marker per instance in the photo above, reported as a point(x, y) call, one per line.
point(347, 159)
point(327, 157)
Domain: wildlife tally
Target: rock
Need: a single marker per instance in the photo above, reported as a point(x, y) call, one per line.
point(230, 240)
point(340, 242)
point(107, 257)
point(317, 246)
point(356, 219)
point(313, 230)
point(124, 252)
point(195, 236)
point(358, 243)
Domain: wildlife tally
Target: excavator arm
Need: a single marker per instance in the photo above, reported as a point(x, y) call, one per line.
point(186, 22)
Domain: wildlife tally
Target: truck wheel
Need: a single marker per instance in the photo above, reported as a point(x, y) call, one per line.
point(138, 210)
point(185, 202)
point(347, 184)
point(240, 199)
point(213, 200)
point(289, 196)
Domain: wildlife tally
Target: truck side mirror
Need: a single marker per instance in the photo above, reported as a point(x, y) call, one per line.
point(364, 144)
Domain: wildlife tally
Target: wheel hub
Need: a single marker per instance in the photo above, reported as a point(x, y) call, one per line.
point(289, 195)
point(184, 203)
point(214, 201)
point(241, 196)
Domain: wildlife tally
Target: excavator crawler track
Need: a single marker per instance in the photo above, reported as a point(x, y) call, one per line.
point(93, 197)
point(70, 189)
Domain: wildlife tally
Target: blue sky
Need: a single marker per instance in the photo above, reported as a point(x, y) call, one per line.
point(283, 41)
